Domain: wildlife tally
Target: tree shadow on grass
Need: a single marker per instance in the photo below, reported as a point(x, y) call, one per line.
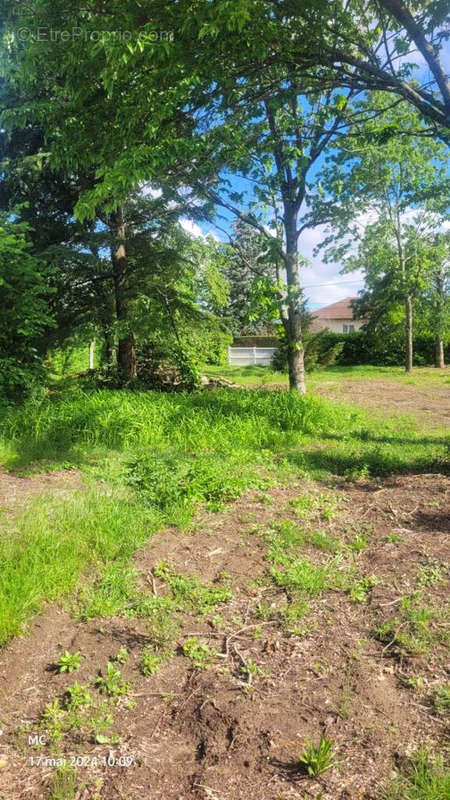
point(370, 463)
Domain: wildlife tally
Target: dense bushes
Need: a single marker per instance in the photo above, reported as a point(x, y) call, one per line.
point(362, 347)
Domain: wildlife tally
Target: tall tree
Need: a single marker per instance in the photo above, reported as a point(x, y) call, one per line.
point(383, 196)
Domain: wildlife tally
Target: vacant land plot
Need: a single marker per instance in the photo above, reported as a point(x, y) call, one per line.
point(230, 594)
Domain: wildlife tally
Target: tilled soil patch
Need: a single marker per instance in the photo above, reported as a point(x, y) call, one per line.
point(235, 728)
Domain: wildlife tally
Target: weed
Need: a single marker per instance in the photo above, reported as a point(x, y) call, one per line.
point(359, 592)
point(63, 783)
point(317, 759)
point(394, 538)
point(150, 661)
point(359, 543)
point(77, 696)
point(429, 575)
point(441, 698)
point(421, 778)
point(111, 683)
point(324, 541)
point(199, 653)
point(303, 576)
point(411, 632)
point(190, 593)
point(68, 662)
point(251, 670)
point(122, 656)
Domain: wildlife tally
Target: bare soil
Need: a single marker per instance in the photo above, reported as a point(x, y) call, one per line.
point(198, 734)
point(429, 404)
point(16, 491)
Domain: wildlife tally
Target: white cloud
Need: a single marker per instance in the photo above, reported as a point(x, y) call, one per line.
point(195, 230)
point(322, 281)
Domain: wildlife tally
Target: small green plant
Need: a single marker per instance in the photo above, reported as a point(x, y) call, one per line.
point(122, 656)
point(150, 661)
point(251, 670)
point(394, 538)
point(317, 759)
point(415, 682)
point(441, 698)
point(190, 593)
point(63, 783)
point(359, 592)
point(429, 575)
point(77, 696)
point(111, 683)
point(359, 543)
point(302, 575)
point(199, 653)
point(324, 541)
point(422, 777)
point(411, 631)
point(68, 662)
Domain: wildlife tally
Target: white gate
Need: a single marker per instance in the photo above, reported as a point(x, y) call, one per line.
point(245, 356)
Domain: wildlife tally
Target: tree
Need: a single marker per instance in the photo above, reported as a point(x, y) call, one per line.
point(249, 267)
point(24, 307)
point(398, 190)
point(436, 301)
point(357, 44)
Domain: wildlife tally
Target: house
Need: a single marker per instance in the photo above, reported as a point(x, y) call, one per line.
point(337, 317)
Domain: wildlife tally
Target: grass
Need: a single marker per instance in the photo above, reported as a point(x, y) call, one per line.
point(159, 457)
point(259, 376)
point(413, 630)
point(317, 759)
point(421, 778)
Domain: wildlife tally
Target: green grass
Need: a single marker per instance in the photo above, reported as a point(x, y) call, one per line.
point(421, 778)
point(54, 541)
point(159, 457)
point(260, 376)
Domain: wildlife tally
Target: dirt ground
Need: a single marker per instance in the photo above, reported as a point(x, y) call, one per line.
point(213, 735)
point(429, 404)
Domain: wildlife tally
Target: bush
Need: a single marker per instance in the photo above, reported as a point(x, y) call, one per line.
point(319, 352)
point(364, 347)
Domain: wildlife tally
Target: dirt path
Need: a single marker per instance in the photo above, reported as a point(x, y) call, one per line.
point(16, 491)
point(429, 404)
point(233, 731)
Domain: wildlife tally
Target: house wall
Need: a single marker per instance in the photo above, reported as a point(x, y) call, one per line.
point(335, 325)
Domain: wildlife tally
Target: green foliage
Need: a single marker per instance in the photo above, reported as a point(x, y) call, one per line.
point(63, 783)
point(198, 652)
point(441, 698)
point(190, 592)
point(421, 777)
point(111, 682)
point(412, 631)
point(317, 759)
point(222, 441)
point(359, 592)
point(25, 316)
point(68, 662)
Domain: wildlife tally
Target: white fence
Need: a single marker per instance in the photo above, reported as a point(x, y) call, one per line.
point(243, 356)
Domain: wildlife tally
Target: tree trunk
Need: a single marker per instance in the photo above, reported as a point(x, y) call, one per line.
point(108, 348)
point(439, 362)
point(91, 354)
point(126, 351)
point(293, 325)
point(408, 334)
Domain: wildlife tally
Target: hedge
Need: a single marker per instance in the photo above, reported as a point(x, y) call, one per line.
point(361, 347)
